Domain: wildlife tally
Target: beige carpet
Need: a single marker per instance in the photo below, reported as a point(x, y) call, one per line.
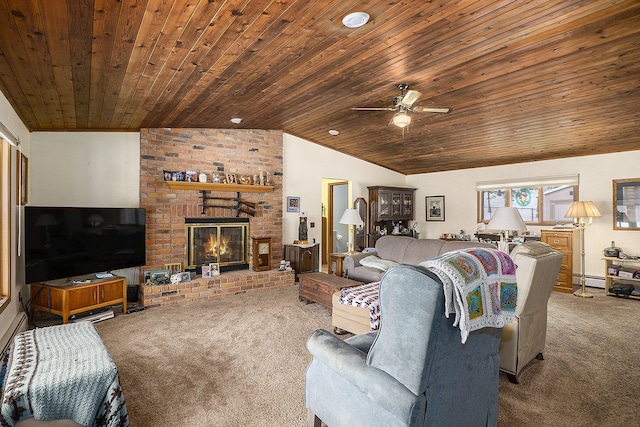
point(240, 361)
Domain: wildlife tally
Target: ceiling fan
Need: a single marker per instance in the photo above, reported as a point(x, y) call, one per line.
point(403, 104)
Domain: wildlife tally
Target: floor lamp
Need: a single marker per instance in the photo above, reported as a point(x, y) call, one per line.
point(506, 219)
point(581, 212)
point(351, 217)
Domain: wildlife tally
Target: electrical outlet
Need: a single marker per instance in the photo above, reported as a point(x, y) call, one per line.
point(312, 224)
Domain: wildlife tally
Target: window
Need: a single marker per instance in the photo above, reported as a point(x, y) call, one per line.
point(540, 201)
point(5, 224)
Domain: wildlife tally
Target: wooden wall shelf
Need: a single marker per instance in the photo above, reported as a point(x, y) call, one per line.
point(210, 186)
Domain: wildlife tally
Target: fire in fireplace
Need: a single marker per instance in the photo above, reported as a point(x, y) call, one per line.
point(217, 240)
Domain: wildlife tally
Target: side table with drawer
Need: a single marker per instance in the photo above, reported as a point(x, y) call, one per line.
point(319, 287)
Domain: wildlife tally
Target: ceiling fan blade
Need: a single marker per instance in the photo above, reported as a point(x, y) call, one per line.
point(432, 110)
point(410, 97)
point(373, 109)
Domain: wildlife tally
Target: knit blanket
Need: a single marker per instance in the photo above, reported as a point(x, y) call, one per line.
point(62, 372)
point(479, 287)
point(364, 296)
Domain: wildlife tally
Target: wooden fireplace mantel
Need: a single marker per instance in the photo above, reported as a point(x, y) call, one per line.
point(210, 186)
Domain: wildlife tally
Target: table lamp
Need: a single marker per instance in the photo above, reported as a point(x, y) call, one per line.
point(506, 219)
point(351, 217)
point(581, 212)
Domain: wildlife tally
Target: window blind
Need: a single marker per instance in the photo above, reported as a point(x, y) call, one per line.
point(540, 181)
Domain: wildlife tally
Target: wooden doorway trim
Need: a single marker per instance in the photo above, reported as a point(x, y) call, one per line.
point(329, 229)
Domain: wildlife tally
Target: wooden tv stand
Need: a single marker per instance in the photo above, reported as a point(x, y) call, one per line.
point(67, 299)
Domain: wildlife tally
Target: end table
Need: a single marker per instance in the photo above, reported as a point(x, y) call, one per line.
point(338, 258)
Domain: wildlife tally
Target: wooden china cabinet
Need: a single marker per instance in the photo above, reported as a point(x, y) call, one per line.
point(386, 206)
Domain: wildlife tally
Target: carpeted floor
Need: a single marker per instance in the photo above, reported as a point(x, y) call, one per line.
point(240, 361)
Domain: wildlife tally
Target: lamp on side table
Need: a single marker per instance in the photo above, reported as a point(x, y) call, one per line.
point(351, 217)
point(506, 219)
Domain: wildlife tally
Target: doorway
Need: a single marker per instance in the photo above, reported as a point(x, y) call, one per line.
point(336, 235)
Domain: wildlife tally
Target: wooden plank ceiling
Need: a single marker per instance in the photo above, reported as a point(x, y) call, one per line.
point(526, 80)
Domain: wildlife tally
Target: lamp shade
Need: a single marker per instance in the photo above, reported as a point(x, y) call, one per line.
point(582, 210)
point(401, 119)
point(506, 219)
point(351, 217)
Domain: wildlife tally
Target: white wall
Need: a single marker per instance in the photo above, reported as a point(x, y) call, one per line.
point(11, 120)
point(306, 164)
point(85, 169)
point(596, 175)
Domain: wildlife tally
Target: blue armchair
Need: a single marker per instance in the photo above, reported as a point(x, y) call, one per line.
point(414, 371)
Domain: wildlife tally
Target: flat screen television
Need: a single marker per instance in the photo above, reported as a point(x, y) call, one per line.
point(65, 242)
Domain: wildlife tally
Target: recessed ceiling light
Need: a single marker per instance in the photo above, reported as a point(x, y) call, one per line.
point(333, 132)
point(355, 19)
point(236, 120)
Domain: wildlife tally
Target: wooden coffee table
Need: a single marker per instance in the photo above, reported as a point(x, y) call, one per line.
point(319, 287)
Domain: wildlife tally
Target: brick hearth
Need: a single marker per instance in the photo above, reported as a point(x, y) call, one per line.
point(241, 152)
point(228, 283)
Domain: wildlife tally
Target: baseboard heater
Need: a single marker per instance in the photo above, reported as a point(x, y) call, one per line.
point(19, 324)
point(589, 281)
point(94, 318)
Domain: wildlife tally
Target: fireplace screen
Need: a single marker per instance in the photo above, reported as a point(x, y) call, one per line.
point(219, 240)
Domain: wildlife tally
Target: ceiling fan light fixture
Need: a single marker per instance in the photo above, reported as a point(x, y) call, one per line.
point(401, 119)
point(355, 19)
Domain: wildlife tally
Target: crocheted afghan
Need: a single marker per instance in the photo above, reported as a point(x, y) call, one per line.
point(479, 287)
point(62, 372)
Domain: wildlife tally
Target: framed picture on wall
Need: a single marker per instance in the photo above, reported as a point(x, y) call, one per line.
point(21, 178)
point(435, 208)
point(293, 204)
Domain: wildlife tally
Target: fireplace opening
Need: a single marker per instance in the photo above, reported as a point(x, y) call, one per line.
point(217, 240)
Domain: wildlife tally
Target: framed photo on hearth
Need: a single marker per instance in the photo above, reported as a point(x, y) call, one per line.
point(206, 271)
point(215, 269)
point(435, 208)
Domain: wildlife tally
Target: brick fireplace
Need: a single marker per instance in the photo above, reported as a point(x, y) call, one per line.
point(224, 241)
point(210, 151)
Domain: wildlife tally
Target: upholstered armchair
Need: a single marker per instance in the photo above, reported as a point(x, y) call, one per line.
point(414, 371)
point(524, 339)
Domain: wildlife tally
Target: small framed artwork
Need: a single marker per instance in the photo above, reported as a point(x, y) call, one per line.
point(435, 208)
point(191, 175)
point(215, 269)
point(231, 178)
point(293, 204)
point(206, 271)
point(174, 267)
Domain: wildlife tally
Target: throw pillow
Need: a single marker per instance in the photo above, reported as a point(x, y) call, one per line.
point(379, 263)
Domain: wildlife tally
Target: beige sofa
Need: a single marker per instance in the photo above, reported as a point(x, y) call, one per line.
point(401, 250)
point(397, 249)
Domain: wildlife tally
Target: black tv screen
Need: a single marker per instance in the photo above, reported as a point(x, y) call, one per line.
point(64, 242)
